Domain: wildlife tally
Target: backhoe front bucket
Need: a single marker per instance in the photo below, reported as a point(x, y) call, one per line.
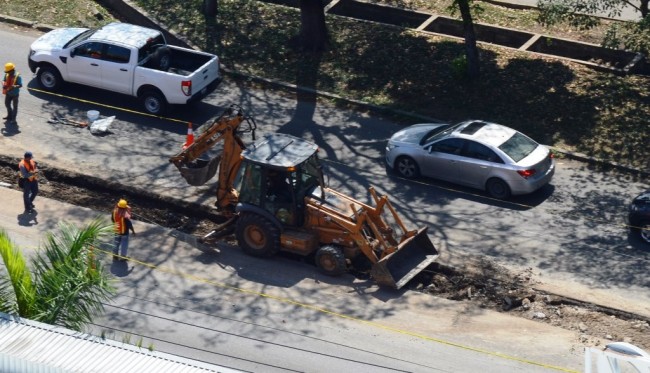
point(200, 171)
point(412, 257)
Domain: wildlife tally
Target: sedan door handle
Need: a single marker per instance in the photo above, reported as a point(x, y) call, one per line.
point(124, 70)
point(94, 64)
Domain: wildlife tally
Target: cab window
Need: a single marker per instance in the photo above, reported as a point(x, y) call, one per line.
point(117, 54)
point(90, 50)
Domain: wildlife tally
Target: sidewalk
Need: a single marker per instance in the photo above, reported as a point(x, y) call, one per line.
point(415, 316)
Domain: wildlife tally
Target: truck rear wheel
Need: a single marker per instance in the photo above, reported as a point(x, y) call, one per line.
point(153, 102)
point(331, 261)
point(49, 78)
point(257, 236)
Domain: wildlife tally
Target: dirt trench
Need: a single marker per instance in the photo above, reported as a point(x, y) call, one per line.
point(481, 281)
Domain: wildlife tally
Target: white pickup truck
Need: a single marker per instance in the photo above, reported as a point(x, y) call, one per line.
point(127, 59)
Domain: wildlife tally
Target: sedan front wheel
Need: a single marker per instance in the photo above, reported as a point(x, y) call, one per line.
point(407, 167)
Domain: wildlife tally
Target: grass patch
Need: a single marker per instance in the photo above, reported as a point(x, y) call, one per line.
point(556, 102)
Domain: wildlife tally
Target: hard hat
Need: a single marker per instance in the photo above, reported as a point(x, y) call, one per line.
point(122, 204)
point(28, 154)
point(9, 66)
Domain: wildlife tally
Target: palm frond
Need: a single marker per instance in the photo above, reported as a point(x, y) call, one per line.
point(17, 291)
point(72, 284)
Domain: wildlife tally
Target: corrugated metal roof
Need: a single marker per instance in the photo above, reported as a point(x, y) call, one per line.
point(28, 346)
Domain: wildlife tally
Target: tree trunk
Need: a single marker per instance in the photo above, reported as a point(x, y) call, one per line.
point(313, 35)
point(209, 8)
point(471, 52)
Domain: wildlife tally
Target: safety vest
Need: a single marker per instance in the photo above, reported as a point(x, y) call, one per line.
point(29, 166)
point(119, 218)
point(8, 83)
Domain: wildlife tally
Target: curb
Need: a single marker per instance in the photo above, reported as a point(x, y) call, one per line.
point(133, 13)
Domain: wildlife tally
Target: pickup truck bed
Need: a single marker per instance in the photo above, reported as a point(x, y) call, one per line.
point(182, 62)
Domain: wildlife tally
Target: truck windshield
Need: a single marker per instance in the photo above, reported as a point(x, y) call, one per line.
point(79, 38)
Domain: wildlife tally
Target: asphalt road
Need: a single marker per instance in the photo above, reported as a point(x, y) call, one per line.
point(571, 230)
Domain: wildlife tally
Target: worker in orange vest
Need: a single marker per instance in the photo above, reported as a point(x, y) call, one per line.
point(11, 84)
point(121, 218)
point(29, 173)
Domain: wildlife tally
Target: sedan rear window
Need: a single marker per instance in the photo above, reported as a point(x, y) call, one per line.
point(518, 146)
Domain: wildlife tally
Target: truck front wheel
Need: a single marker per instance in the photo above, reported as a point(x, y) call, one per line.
point(49, 78)
point(153, 102)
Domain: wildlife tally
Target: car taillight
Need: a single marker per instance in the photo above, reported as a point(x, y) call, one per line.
point(186, 87)
point(526, 173)
point(551, 155)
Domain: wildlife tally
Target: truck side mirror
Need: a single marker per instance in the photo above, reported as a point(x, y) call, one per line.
point(73, 52)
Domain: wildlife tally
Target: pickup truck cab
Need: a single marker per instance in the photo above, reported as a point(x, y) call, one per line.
point(126, 59)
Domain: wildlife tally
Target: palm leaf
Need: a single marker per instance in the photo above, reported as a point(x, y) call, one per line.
point(17, 292)
point(72, 284)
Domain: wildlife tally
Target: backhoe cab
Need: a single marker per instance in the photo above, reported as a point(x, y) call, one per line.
point(283, 204)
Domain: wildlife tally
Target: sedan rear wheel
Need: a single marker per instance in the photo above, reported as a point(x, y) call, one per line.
point(644, 231)
point(498, 188)
point(407, 167)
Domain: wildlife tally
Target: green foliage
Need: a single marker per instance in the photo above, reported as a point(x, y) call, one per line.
point(633, 36)
point(17, 293)
point(66, 284)
point(459, 67)
point(475, 8)
point(630, 36)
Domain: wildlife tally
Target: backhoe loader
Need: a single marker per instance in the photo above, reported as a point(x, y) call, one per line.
point(274, 195)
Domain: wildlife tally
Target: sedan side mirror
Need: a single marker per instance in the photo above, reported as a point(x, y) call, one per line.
point(73, 52)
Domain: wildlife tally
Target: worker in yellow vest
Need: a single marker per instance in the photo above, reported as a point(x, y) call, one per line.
point(121, 218)
point(11, 84)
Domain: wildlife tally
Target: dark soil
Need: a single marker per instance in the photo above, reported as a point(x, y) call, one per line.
point(480, 280)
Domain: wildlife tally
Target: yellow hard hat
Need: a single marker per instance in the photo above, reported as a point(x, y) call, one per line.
point(9, 66)
point(122, 204)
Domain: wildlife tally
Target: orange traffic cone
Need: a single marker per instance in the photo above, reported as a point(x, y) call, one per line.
point(190, 136)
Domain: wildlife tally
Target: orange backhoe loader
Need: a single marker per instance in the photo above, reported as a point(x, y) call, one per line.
point(275, 197)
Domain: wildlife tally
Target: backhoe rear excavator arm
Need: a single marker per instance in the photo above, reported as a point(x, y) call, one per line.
point(224, 129)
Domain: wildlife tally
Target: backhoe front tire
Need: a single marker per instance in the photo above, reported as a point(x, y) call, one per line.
point(331, 261)
point(257, 236)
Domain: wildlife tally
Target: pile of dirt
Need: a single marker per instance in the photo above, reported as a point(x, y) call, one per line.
point(493, 286)
point(479, 280)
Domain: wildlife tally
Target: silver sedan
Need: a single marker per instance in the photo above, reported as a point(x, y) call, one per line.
point(479, 154)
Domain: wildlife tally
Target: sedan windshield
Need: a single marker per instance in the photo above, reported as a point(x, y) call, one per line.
point(518, 146)
point(438, 133)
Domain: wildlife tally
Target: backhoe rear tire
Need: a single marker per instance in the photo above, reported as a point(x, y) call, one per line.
point(257, 236)
point(331, 261)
